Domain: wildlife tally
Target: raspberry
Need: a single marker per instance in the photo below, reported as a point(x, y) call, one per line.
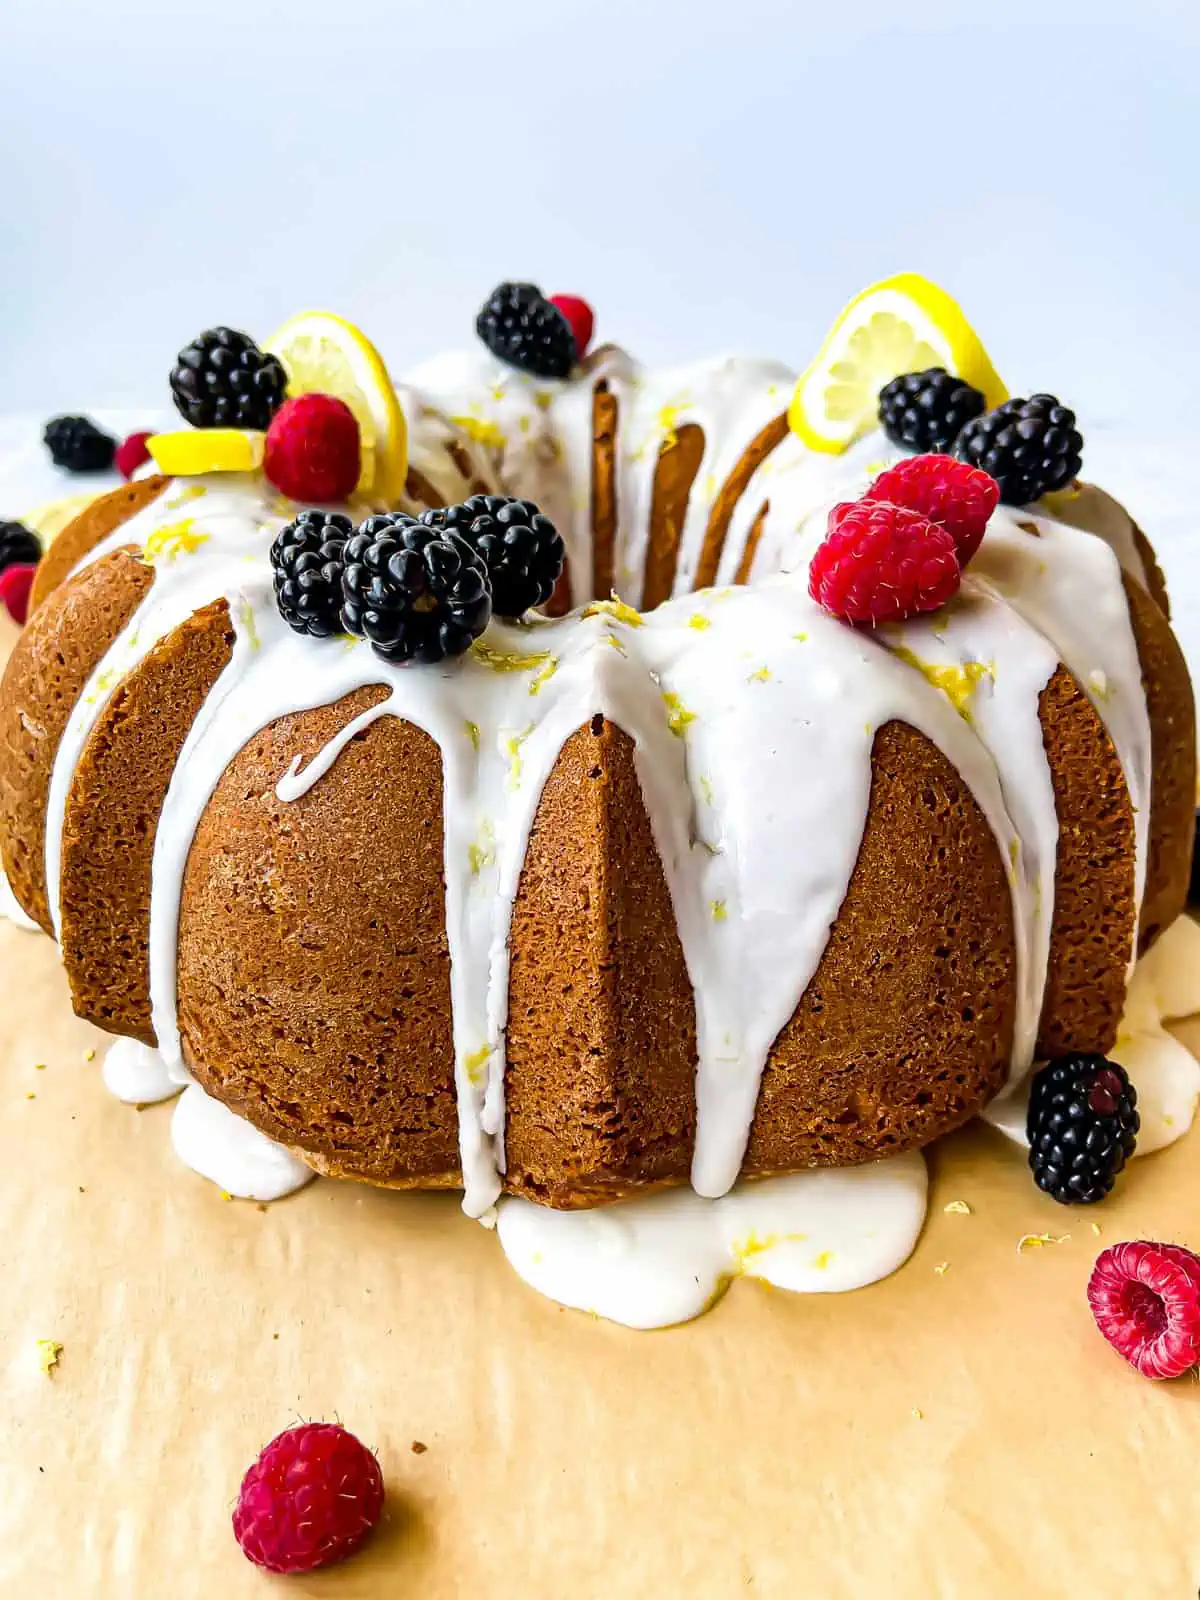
point(131, 454)
point(310, 1499)
point(957, 497)
point(312, 450)
point(580, 317)
point(881, 563)
point(15, 583)
point(1146, 1301)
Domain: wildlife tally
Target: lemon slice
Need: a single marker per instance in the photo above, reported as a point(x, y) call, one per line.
point(903, 324)
point(324, 354)
point(193, 451)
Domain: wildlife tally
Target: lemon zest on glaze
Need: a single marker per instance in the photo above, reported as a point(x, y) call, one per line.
point(761, 676)
point(958, 684)
point(699, 621)
point(678, 716)
point(718, 910)
point(511, 745)
point(472, 732)
point(172, 540)
point(543, 675)
point(482, 853)
point(473, 1064)
point(508, 660)
point(615, 607)
point(823, 1261)
point(481, 431)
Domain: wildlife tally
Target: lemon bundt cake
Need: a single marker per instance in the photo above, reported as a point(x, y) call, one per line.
point(696, 883)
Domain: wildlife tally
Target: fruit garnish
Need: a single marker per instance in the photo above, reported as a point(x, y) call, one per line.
point(77, 444)
point(312, 1498)
point(16, 582)
point(313, 450)
point(191, 452)
point(525, 330)
point(325, 354)
point(131, 454)
point(957, 497)
point(900, 325)
point(882, 563)
point(1145, 1298)
point(580, 318)
point(1031, 447)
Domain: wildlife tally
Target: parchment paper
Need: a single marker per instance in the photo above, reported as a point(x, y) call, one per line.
point(962, 1433)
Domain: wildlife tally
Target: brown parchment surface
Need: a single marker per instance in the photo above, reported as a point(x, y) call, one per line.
point(964, 1433)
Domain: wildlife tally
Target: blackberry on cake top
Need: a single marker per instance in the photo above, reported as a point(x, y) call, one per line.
point(521, 327)
point(223, 380)
point(927, 410)
point(521, 548)
point(1031, 447)
point(307, 562)
point(417, 593)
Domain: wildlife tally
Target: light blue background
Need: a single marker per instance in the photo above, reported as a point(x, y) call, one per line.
point(720, 174)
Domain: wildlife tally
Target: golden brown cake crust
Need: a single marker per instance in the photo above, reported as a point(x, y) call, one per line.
point(601, 1050)
point(94, 523)
point(605, 420)
point(55, 656)
point(1172, 712)
point(112, 814)
point(314, 973)
point(906, 1028)
point(675, 471)
point(731, 491)
point(1092, 936)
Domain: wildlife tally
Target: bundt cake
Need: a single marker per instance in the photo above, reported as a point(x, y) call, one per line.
point(693, 883)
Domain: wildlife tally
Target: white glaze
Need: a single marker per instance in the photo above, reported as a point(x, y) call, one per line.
point(224, 1148)
point(136, 1074)
point(736, 701)
point(664, 1259)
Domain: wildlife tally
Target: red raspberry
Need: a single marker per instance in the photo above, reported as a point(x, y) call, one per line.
point(957, 497)
point(881, 563)
point(579, 314)
point(15, 583)
point(1146, 1302)
point(131, 454)
point(312, 451)
point(310, 1499)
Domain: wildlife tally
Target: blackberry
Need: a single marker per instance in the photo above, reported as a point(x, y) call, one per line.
point(79, 445)
point(1082, 1126)
point(1194, 885)
point(223, 380)
point(1029, 446)
point(417, 593)
point(926, 411)
point(520, 326)
point(307, 564)
point(18, 547)
point(521, 548)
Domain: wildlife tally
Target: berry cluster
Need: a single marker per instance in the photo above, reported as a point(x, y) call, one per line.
point(1031, 447)
point(20, 552)
point(523, 328)
point(900, 549)
point(419, 590)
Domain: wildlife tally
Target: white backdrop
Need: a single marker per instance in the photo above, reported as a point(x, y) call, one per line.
point(712, 174)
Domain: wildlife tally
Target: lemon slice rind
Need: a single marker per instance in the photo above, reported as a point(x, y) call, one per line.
point(325, 354)
point(194, 451)
point(901, 324)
